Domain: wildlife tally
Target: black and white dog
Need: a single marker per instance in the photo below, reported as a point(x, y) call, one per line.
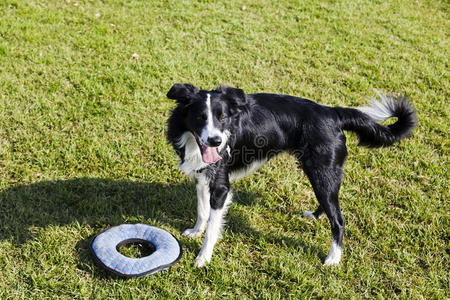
point(224, 134)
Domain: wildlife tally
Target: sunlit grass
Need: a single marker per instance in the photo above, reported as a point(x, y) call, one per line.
point(82, 145)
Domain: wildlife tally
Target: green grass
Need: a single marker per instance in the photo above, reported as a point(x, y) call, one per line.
point(82, 145)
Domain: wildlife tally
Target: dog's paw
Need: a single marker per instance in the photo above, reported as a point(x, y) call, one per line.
point(201, 261)
point(332, 261)
point(309, 214)
point(192, 233)
point(334, 257)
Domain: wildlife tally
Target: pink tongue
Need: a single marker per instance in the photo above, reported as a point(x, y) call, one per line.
point(210, 155)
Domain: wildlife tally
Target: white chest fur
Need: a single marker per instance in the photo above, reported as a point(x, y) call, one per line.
point(192, 160)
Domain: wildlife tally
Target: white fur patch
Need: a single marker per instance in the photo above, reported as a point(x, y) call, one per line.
point(255, 165)
point(209, 130)
point(334, 257)
point(192, 160)
point(309, 214)
point(379, 110)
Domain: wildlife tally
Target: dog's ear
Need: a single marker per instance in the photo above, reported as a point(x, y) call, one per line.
point(236, 97)
point(182, 92)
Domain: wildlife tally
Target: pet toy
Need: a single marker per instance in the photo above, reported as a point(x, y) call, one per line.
point(105, 247)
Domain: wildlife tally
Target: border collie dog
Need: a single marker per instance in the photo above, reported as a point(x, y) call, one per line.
point(224, 134)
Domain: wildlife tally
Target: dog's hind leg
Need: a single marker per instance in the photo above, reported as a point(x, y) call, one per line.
point(324, 170)
point(326, 185)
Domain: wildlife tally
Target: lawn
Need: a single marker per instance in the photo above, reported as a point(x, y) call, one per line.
point(82, 145)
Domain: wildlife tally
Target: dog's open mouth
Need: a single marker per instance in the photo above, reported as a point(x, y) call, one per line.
point(209, 154)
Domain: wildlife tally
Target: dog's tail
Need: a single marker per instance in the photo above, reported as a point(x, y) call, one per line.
point(364, 121)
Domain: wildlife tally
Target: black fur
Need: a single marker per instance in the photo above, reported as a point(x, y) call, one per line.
point(372, 134)
point(263, 125)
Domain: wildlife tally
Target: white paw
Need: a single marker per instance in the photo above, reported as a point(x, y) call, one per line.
point(332, 261)
point(309, 214)
point(334, 257)
point(201, 261)
point(192, 233)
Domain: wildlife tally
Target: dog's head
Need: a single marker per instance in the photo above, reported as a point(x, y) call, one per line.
point(209, 115)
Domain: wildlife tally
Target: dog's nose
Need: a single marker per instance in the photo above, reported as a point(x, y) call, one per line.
point(214, 141)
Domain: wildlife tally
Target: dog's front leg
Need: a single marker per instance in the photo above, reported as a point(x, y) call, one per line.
point(203, 207)
point(220, 199)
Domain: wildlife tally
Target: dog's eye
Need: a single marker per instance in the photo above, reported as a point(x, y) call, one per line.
point(222, 118)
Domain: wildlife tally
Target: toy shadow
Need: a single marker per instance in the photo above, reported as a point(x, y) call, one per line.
point(101, 203)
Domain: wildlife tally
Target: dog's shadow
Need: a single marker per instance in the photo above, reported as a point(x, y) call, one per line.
point(92, 201)
point(101, 203)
